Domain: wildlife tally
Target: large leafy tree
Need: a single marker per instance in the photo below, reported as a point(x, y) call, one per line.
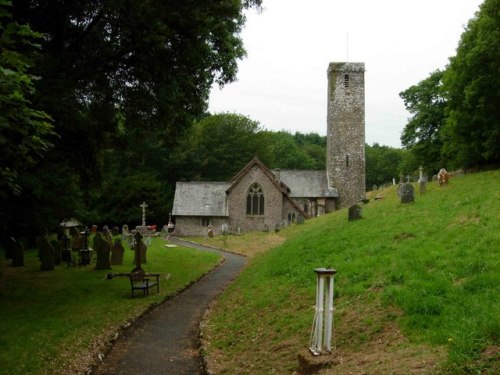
point(422, 134)
point(24, 131)
point(472, 82)
point(222, 144)
point(123, 80)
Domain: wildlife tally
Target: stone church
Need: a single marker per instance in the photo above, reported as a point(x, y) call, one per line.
point(258, 198)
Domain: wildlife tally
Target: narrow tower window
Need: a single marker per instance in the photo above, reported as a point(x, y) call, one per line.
point(347, 160)
point(346, 80)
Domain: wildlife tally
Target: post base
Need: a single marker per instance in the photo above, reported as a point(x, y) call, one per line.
point(311, 364)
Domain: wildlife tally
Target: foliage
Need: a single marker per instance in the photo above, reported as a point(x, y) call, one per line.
point(222, 144)
point(429, 269)
point(25, 131)
point(122, 82)
point(383, 163)
point(76, 311)
point(472, 81)
point(421, 135)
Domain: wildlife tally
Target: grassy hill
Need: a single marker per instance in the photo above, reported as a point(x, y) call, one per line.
point(417, 288)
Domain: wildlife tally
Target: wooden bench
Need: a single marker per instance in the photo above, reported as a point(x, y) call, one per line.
point(144, 282)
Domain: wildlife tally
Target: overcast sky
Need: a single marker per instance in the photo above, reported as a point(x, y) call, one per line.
point(282, 83)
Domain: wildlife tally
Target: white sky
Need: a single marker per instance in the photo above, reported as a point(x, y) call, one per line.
point(282, 83)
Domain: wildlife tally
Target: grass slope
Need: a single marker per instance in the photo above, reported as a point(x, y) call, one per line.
point(57, 322)
point(417, 289)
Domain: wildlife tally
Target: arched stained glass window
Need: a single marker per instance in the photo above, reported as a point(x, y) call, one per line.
point(255, 200)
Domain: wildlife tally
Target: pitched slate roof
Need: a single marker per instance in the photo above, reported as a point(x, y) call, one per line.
point(306, 183)
point(255, 161)
point(200, 199)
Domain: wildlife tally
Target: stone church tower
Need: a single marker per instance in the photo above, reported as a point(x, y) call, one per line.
point(345, 159)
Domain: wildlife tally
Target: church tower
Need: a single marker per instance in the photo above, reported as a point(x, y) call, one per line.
point(345, 159)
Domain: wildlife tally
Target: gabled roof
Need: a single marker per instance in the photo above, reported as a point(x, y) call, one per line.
point(306, 183)
point(255, 161)
point(200, 199)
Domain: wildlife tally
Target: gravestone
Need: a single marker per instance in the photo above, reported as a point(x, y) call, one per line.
point(17, 254)
point(354, 212)
point(300, 219)
point(210, 231)
point(117, 253)
point(46, 253)
point(422, 187)
point(225, 229)
point(102, 249)
point(125, 231)
point(56, 245)
point(9, 248)
point(106, 234)
point(374, 188)
point(406, 193)
point(115, 231)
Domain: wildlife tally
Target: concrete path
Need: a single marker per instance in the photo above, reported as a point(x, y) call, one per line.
point(165, 341)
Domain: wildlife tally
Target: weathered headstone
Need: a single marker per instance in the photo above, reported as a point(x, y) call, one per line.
point(102, 249)
point(406, 193)
point(422, 187)
point(117, 253)
point(225, 229)
point(56, 245)
point(210, 231)
point(17, 254)
point(125, 231)
point(354, 212)
point(46, 253)
point(9, 247)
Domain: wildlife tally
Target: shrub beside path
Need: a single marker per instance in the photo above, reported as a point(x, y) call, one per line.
point(165, 341)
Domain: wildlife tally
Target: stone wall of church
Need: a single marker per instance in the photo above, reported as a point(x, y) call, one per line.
point(237, 203)
point(346, 131)
point(192, 225)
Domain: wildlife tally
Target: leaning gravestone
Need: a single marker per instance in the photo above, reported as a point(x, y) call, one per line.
point(102, 249)
point(46, 253)
point(17, 254)
point(406, 193)
point(354, 212)
point(117, 253)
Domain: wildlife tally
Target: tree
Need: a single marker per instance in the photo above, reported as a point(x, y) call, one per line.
point(25, 131)
point(422, 134)
point(123, 81)
point(472, 82)
point(286, 152)
point(383, 163)
point(222, 144)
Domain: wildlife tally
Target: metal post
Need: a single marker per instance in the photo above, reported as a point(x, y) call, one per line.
point(321, 335)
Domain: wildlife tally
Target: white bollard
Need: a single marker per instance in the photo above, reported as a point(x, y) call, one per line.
point(321, 334)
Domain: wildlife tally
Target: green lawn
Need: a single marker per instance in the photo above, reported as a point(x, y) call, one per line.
point(59, 321)
point(417, 288)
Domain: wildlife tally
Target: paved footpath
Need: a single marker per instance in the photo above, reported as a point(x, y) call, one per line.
point(165, 341)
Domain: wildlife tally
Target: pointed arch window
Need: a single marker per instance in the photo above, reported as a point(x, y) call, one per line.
point(255, 200)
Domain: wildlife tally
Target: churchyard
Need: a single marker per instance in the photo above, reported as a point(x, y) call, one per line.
point(61, 320)
point(416, 288)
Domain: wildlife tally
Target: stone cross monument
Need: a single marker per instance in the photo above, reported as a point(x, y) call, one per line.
point(144, 206)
